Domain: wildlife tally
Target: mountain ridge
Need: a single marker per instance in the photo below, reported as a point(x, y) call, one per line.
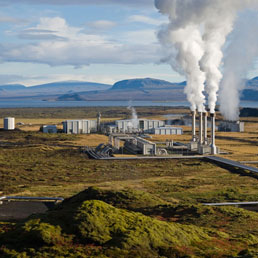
point(134, 89)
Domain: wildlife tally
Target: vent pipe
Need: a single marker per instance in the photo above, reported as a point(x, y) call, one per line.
point(200, 128)
point(213, 146)
point(204, 127)
point(193, 126)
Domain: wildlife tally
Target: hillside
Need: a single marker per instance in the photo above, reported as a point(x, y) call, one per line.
point(137, 89)
point(133, 89)
point(50, 89)
point(151, 89)
point(92, 224)
point(147, 83)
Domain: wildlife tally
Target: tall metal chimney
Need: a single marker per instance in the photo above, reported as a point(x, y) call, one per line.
point(204, 127)
point(193, 126)
point(200, 129)
point(213, 146)
point(98, 121)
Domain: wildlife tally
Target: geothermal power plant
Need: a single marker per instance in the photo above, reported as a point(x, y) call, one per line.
point(201, 143)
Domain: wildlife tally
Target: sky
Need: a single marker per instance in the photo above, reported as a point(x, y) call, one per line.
point(102, 41)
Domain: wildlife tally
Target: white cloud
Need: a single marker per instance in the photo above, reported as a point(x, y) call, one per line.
point(80, 2)
point(101, 25)
point(9, 19)
point(145, 19)
point(141, 37)
point(67, 45)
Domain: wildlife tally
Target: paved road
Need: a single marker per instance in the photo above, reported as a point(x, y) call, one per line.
point(154, 157)
point(232, 163)
point(22, 209)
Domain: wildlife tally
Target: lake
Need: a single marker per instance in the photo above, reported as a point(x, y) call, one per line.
point(39, 103)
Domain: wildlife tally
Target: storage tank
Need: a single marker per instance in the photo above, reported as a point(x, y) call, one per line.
point(9, 123)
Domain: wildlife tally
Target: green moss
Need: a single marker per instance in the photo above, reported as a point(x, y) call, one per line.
point(42, 233)
point(99, 222)
point(126, 199)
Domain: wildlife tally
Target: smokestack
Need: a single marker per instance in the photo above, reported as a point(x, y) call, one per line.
point(200, 128)
point(98, 121)
point(194, 126)
point(213, 146)
point(204, 127)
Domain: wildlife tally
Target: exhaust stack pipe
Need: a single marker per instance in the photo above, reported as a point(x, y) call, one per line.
point(193, 126)
point(204, 127)
point(200, 128)
point(213, 146)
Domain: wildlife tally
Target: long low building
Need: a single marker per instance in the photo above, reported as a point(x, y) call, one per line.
point(141, 125)
point(167, 130)
point(79, 126)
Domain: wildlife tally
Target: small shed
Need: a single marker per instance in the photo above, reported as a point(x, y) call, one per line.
point(231, 126)
point(9, 123)
point(49, 129)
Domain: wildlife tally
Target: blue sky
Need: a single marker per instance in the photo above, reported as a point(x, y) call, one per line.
point(54, 40)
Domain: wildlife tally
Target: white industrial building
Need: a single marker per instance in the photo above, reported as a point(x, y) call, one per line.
point(9, 123)
point(49, 129)
point(143, 125)
point(167, 130)
point(79, 126)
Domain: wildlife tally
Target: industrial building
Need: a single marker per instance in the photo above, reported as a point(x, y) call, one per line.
point(167, 130)
point(49, 129)
point(138, 145)
point(142, 125)
point(79, 126)
point(9, 123)
point(231, 126)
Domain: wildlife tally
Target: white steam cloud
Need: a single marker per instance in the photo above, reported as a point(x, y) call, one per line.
point(194, 38)
point(239, 58)
point(188, 43)
point(134, 118)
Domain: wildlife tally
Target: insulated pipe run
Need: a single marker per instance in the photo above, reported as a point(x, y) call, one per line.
point(200, 129)
point(204, 127)
point(193, 126)
point(213, 146)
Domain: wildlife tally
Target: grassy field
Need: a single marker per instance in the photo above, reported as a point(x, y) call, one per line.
point(166, 194)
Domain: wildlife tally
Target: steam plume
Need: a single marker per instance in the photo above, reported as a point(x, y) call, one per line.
point(240, 54)
point(212, 21)
point(185, 60)
point(134, 118)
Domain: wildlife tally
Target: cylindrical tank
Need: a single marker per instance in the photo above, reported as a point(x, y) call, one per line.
point(9, 123)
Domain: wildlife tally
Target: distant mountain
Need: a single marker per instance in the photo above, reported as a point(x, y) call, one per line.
point(133, 89)
point(136, 89)
point(252, 83)
point(147, 83)
point(49, 90)
point(11, 87)
point(70, 86)
point(250, 93)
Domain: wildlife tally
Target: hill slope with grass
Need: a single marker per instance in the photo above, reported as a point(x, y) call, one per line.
point(101, 223)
